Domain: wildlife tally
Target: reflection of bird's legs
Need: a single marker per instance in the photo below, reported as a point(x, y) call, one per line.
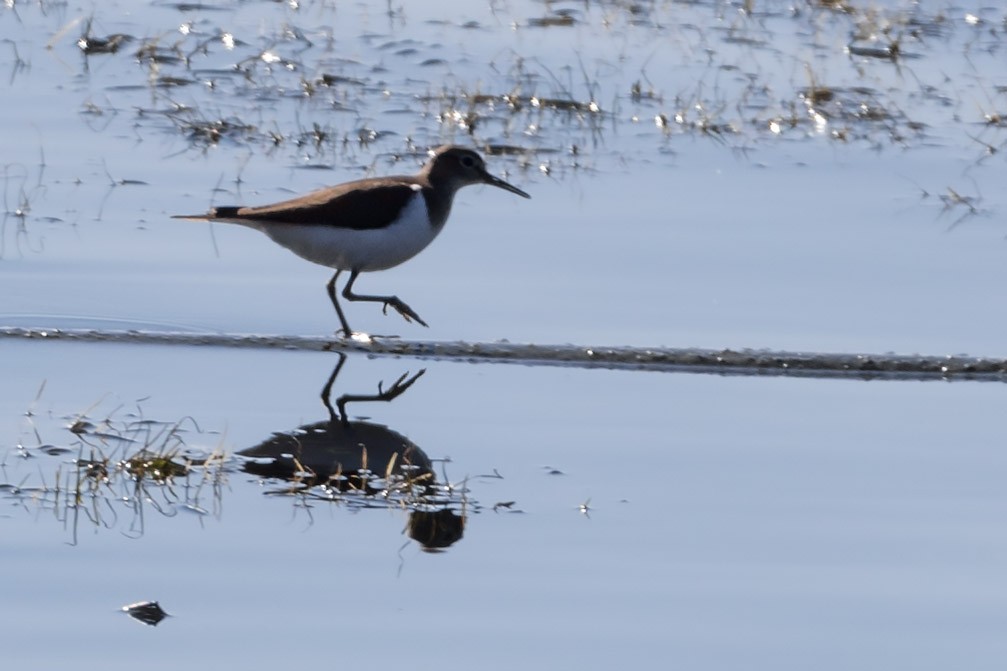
point(327, 389)
point(399, 386)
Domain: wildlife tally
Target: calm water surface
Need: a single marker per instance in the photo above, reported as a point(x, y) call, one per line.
point(701, 176)
point(728, 519)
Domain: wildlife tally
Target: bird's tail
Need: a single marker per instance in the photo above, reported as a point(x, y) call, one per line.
point(216, 213)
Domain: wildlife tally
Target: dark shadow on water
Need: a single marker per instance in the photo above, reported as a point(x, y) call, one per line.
point(343, 455)
point(362, 464)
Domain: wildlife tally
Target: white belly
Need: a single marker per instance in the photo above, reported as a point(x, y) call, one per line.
point(361, 250)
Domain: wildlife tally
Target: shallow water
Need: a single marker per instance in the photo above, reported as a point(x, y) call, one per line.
point(727, 518)
point(745, 182)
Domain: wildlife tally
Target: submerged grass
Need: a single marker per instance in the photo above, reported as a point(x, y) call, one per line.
point(123, 465)
point(114, 469)
point(528, 99)
point(565, 88)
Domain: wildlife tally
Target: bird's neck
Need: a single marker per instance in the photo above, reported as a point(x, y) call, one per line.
point(438, 203)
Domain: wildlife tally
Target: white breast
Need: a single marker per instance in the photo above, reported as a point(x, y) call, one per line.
point(362, 250)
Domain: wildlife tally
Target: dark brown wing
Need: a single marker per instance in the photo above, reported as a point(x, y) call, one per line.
point(366, 203)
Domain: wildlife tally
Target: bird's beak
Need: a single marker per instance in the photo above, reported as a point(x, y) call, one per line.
point(496, 181)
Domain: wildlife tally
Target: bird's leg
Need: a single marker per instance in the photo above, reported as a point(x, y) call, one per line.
point(327, 390)
point(331, 288)
point(407, 312)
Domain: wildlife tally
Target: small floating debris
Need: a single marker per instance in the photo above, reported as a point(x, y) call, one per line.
point(565, 105)
point(172, 82)
point(91, 45)
point(887, 52)
point(336, 80)
point(507, 150)
point(148, 612)
point(562, 19)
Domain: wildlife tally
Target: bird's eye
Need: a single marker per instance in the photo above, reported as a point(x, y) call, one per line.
point(468, 161)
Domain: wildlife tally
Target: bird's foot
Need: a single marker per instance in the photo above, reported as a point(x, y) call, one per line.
point(355, 336)
point(365, 338)
point(399, 386)
point(407, 312)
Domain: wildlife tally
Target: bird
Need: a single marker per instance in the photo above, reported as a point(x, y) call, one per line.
point(369, 224)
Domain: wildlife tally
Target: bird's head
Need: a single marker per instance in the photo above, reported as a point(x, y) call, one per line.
point(459, 166)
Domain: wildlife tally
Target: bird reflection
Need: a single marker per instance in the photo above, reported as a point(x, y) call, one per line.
point(361, 463)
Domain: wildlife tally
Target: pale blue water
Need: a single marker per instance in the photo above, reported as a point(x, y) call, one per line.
point(730, 519)
point(764, 523)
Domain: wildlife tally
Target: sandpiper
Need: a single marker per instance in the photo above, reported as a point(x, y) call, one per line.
point(368, 224)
